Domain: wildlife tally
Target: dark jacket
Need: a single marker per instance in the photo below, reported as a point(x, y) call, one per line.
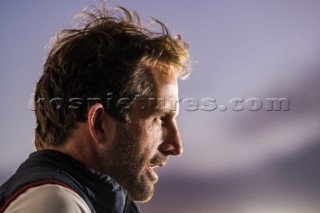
point(101, 193)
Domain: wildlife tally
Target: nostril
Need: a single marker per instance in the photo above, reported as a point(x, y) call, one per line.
point(168, 148)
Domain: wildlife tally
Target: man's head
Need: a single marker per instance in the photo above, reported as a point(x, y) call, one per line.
point(113, 54)
point(146, 141)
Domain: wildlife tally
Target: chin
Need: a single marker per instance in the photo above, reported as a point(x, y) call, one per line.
point(142, 197)
point(142, 192)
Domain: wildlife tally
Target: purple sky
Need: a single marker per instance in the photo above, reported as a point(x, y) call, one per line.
point(241, 49)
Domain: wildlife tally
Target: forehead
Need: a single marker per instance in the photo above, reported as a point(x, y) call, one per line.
point(166, 90)
point(165, 95)
point(165, 81)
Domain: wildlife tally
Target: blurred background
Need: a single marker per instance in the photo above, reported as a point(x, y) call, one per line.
point(249, 161)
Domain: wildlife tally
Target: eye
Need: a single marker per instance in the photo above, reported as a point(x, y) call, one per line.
point(161, 120)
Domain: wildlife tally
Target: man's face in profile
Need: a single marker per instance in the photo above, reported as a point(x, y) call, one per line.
point(146, 141)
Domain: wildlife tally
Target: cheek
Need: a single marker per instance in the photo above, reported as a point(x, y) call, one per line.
point(150, 137)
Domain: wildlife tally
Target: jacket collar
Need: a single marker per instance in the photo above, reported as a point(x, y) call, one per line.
point(102, 190)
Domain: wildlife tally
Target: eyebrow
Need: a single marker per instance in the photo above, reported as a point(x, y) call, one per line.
point(173, 113)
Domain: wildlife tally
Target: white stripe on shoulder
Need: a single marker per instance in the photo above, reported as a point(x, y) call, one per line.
point(48, 198)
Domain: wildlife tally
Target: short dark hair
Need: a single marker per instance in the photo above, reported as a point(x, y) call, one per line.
point(109, 51)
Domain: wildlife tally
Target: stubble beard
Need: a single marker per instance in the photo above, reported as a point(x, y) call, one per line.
point(124, 164)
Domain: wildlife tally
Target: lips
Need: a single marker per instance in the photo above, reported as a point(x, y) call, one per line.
point(151, 173)
point(156, 165)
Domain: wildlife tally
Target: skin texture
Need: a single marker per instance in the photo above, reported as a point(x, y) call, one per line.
point(130, 151)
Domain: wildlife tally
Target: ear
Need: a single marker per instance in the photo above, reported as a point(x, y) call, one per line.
point(96, 119)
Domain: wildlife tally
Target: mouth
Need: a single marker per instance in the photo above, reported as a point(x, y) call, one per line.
point(151, 173)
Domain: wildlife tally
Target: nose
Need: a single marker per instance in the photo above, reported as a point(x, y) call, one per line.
point(171, 144)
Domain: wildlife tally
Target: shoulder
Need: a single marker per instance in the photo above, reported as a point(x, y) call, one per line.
point(48, 198)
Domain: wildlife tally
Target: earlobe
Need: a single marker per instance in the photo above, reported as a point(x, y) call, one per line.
point(96, 115)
